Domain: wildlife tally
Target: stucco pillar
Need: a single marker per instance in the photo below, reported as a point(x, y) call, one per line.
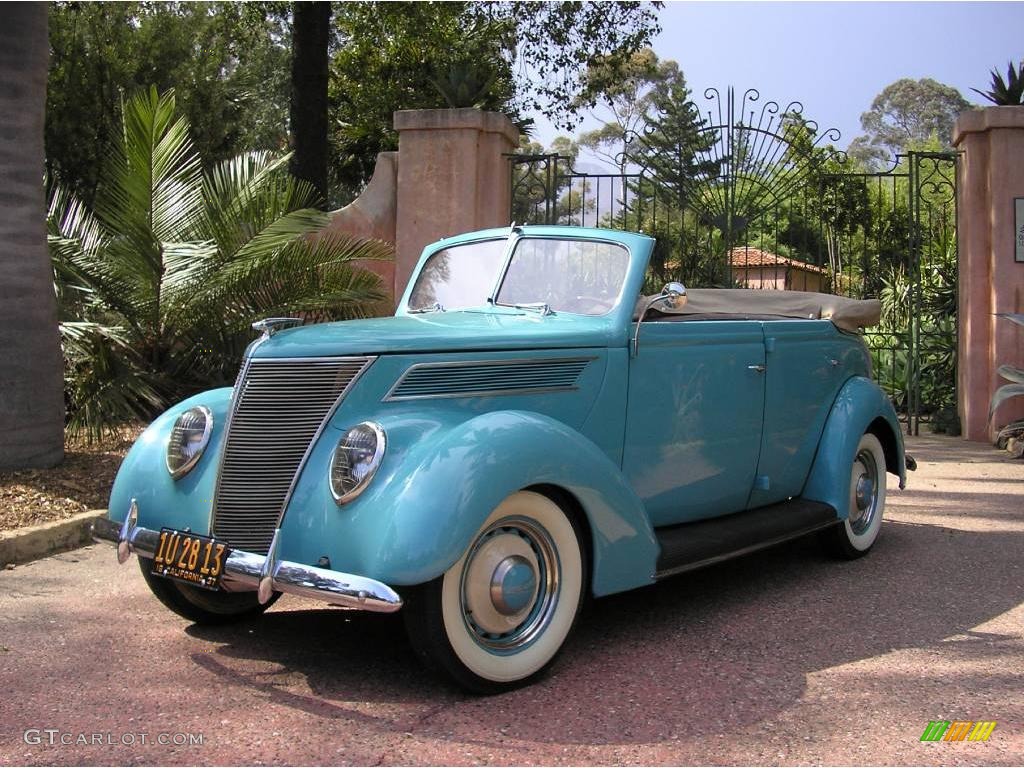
point(452, 178)
point(372, 215)
point(991, 175)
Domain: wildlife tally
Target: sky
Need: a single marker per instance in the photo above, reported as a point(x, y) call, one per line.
point(834, 58)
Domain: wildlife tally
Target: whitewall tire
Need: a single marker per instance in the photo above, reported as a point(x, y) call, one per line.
point(855, 536)
point(500, 615)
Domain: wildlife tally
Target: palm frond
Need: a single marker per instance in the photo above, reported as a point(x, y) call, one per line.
point(73, 237)
point(1010, 373)
point(314, 274)
point(153, 196)
point(105, 379)
point(74, 233)
point(1003, 394)
point(243, 194)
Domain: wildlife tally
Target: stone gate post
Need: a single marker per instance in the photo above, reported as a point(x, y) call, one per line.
point(449, 175)
point(991, 278)
point(452, 178)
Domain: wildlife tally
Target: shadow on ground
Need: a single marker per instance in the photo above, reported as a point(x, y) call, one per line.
point(697, 654)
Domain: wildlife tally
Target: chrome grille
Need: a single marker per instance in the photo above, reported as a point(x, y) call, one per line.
point(488, 378)
point(277, 410)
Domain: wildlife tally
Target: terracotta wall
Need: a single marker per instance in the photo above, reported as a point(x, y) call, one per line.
point(449, 175)
point(768, 278)
point(991, 175)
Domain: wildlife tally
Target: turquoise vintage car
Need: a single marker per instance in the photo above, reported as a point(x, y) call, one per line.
point(526, 430)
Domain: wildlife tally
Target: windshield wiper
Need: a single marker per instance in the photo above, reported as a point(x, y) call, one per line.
point(540, 306)
point(435, 307)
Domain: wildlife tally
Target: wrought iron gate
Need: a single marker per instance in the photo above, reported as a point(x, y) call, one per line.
point(746, 192)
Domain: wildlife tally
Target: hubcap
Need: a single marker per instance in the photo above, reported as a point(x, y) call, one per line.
point(513, 585)
point(510, 584)
point(864, 492)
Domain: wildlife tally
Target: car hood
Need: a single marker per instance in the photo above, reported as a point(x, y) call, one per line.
point(467, 330)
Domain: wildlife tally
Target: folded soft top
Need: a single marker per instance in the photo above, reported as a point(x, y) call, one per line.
point(754, 304)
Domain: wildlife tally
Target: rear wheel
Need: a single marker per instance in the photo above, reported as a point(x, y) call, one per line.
point(855, 536)
point(203, 606)
point(499, 616)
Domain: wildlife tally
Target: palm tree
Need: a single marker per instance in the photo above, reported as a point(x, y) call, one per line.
point(31, 401)
point(159, 284)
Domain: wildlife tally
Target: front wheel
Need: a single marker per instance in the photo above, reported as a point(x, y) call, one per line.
point(499, 616)
point(855, 536)
point(203, 606)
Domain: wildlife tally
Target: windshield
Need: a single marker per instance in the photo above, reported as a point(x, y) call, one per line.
point(578, 276)
point(459, 277)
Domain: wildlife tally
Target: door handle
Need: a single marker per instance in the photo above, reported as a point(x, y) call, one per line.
point(758, 368)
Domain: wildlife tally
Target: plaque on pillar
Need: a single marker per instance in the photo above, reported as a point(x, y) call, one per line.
point(1018, 227)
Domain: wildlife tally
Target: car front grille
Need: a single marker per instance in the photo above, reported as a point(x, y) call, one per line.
point(277, 410)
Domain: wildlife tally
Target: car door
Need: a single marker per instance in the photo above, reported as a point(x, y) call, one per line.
point(806, 364)
point(694, 416)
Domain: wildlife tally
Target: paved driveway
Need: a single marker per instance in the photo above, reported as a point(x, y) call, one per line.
point(781, 657)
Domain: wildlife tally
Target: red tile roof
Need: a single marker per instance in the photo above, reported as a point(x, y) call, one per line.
point(750, 258)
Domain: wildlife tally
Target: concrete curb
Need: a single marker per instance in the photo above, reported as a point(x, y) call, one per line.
point(23, 545)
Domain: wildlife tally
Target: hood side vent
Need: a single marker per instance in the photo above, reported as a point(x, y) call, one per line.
point(488, 378)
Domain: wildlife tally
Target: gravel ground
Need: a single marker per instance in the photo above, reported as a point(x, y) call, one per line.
point(782, 657)
point(82, 482)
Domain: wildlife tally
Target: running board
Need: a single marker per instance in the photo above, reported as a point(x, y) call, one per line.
point(694, 545)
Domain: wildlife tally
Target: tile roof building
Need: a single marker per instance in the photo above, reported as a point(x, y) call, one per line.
point(754, 268)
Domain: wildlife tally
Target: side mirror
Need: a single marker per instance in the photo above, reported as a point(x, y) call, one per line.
point(673, 296)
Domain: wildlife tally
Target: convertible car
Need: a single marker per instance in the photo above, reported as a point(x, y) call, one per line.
point(527, 430)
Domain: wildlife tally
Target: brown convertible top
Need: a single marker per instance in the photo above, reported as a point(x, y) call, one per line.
point(754, 304)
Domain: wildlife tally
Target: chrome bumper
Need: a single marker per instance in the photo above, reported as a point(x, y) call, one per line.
point(264, 574)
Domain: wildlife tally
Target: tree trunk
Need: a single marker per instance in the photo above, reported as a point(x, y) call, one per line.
point(310, 32)
point(31, 367)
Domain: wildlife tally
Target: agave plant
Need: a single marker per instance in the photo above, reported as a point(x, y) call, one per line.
point(1008, 92)
point(159, 284)
point(1014, 429)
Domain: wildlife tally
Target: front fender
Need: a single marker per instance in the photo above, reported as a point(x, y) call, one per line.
point(183, 503)
point(447, 486)
point(861, 405)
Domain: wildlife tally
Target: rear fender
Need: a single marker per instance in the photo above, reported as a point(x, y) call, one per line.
point(860, 407)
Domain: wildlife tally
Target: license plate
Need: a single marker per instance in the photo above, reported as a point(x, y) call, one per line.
point(190, 558)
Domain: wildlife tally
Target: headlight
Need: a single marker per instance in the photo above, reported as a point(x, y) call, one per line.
point(189, 436)
point(355, 460)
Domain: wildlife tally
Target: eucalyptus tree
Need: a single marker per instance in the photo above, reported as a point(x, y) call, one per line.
point(160, 282)
point(626, 104)
point(907, 113)
point(31, 405)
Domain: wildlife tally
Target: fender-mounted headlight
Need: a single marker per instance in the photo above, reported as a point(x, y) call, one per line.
point(355, 460)
point(189, 436)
